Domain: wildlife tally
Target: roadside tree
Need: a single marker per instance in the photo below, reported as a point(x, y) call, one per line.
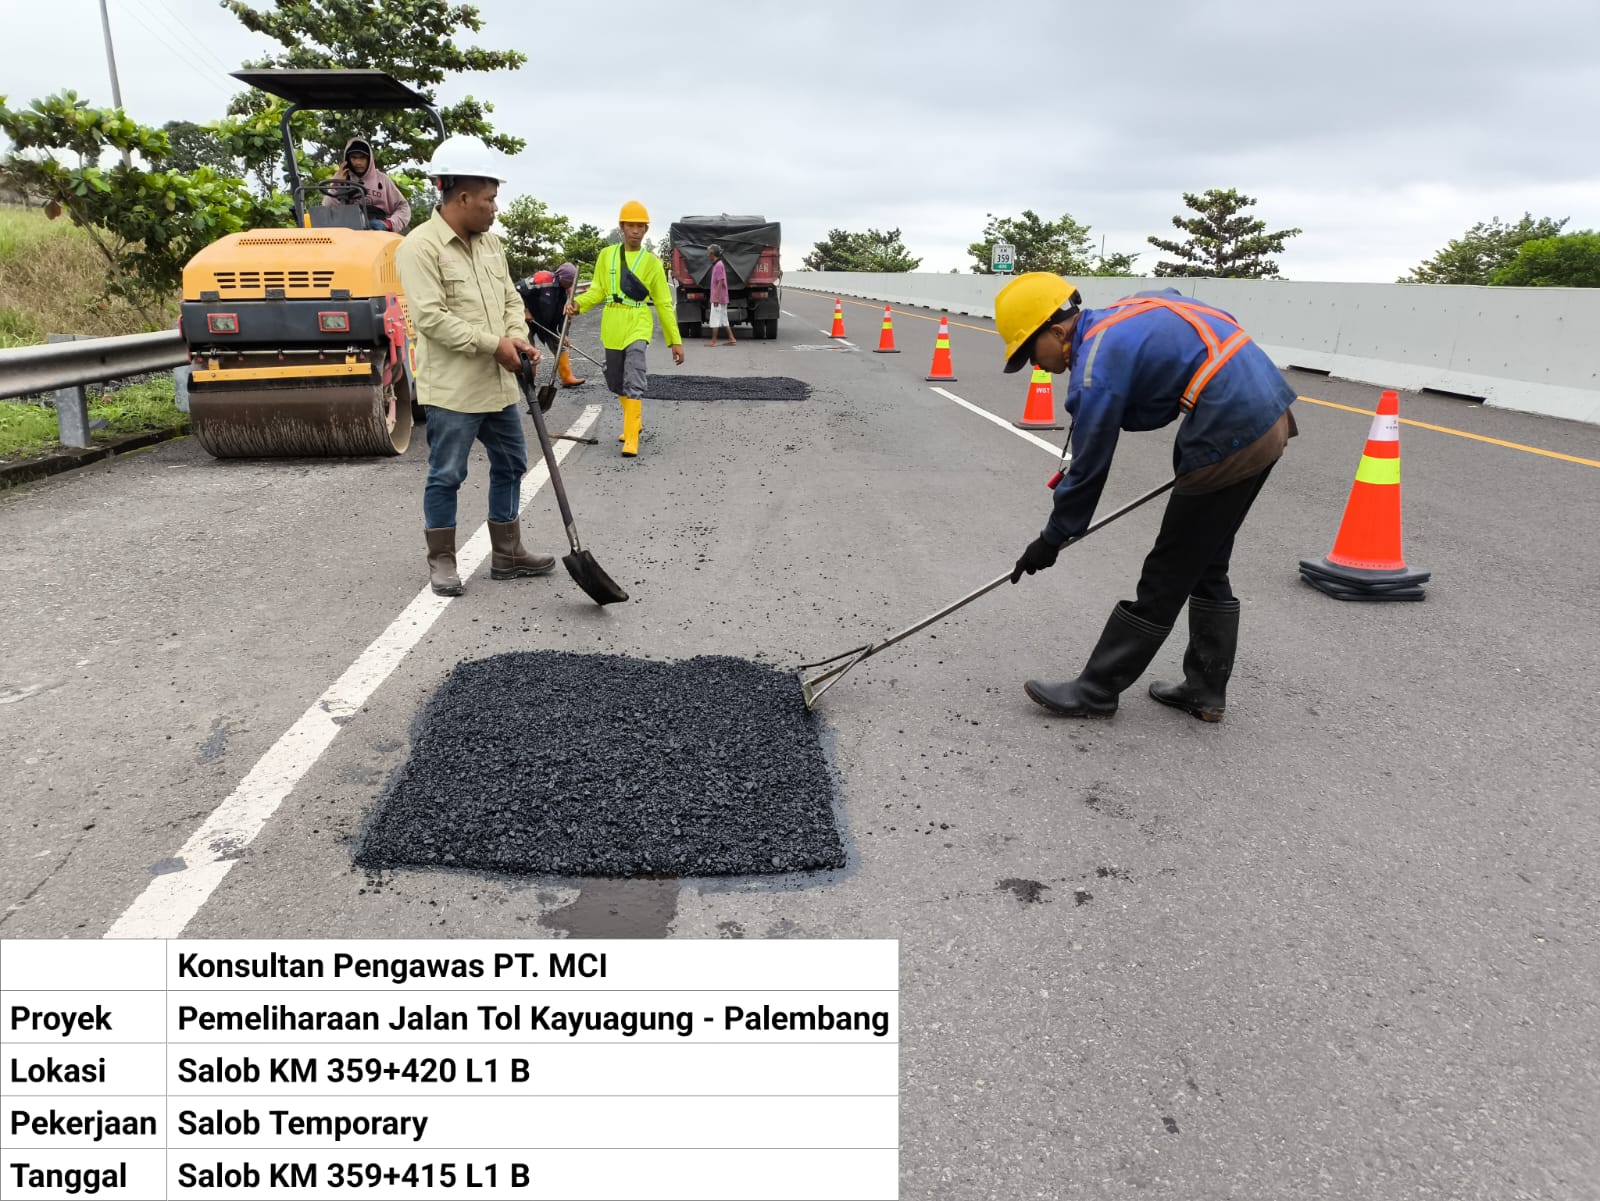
point(1225, 241)
point(1488, 247)
point(413, 40)
point(1568, 261)
point(195, 146)
point(534, 236)
point(1061, 247)
point(146, 220)
point(874, 250)
point(583, 246)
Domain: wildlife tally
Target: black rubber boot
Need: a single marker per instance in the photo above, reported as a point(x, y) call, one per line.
point(1125, 649)
point(1207, 664)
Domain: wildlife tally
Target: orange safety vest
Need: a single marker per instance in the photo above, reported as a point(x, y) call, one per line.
point(1217, 353)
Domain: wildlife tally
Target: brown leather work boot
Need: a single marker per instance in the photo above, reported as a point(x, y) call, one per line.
point(508, 558)
point(442, 561)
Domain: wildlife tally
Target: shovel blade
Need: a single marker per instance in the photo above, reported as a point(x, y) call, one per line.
point(547, 397)
point(591, 577)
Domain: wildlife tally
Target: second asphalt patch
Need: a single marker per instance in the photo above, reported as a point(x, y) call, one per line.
point(727, 387)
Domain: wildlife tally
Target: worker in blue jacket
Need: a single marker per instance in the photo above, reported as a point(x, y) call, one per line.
point(1141, 364)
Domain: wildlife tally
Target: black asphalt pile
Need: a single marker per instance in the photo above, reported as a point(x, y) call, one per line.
point(561, 764)
point(726, 387)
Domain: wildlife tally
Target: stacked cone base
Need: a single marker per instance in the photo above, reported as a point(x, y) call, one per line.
point(1356, 583)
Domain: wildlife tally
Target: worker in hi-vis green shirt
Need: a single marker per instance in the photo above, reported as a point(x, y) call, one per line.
point(627, 278)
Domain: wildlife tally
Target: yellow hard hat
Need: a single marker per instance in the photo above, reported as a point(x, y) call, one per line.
point(634, 211)
point(1024, 306)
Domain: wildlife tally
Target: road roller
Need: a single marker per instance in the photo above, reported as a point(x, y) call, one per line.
point(299, 340)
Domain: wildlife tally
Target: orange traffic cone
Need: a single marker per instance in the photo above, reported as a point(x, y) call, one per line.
point(1366, 562)
point(886, 338)
point(838, 319)
point(1040, 411)
point(941, 371)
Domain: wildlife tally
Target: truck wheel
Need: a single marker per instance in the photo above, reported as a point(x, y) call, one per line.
point(772, 328)
point(756, 332)
point(691, 329)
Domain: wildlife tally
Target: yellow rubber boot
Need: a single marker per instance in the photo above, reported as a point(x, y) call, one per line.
point(623, 401)
point(564, 366)
point(632, 420)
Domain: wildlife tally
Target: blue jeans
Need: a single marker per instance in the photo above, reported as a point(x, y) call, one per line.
point(450, 438)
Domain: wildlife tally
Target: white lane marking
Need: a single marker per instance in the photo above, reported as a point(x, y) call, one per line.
point(787, 313)
point(170, 901)
point(1000, 421)
point(844, 342)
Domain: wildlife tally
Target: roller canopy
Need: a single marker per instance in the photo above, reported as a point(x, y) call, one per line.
point(335, 89)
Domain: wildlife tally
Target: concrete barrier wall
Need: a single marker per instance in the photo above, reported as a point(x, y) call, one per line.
point(1536, 350)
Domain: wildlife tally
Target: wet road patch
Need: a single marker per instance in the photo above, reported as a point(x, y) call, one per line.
point(553, 763)
point(726, 387)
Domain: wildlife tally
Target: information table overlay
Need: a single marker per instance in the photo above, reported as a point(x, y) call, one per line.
point(563, 1068)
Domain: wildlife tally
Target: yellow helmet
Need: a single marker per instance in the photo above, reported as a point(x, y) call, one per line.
point(1024, 306)
point(634, 211)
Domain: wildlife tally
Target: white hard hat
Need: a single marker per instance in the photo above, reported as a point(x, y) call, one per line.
point(461, 156)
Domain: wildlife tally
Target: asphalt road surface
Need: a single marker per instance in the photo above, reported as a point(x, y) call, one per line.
point(1342, 945)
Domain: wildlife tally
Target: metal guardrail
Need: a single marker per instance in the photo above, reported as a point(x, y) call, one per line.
point(32, 370)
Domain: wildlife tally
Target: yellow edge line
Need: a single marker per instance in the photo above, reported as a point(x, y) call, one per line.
point(1421, 425)
point(1442, 429)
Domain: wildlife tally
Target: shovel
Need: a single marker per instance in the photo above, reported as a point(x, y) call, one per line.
point(580, 564)
point(547, 392)
point(813, 688)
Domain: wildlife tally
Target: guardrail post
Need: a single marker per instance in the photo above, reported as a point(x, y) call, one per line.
point(72, 407)
point(180, 387)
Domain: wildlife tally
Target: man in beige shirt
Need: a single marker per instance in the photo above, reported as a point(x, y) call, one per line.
point(471, 332)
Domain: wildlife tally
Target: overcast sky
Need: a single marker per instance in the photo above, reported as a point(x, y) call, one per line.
point(1380, 129)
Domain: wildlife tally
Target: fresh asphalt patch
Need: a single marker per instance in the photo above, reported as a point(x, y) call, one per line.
point(726, 387)
point(552, 763)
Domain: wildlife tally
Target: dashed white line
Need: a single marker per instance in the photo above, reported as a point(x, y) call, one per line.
point(170, 901)
point(1000, 421)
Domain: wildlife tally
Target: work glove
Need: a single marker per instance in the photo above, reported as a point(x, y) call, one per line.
point(375, 223)
point(1039, 555)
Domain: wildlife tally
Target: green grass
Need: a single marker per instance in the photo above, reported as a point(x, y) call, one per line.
point(52, 281)
point(25, 229)
point(17, 328)
point(27, 431)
